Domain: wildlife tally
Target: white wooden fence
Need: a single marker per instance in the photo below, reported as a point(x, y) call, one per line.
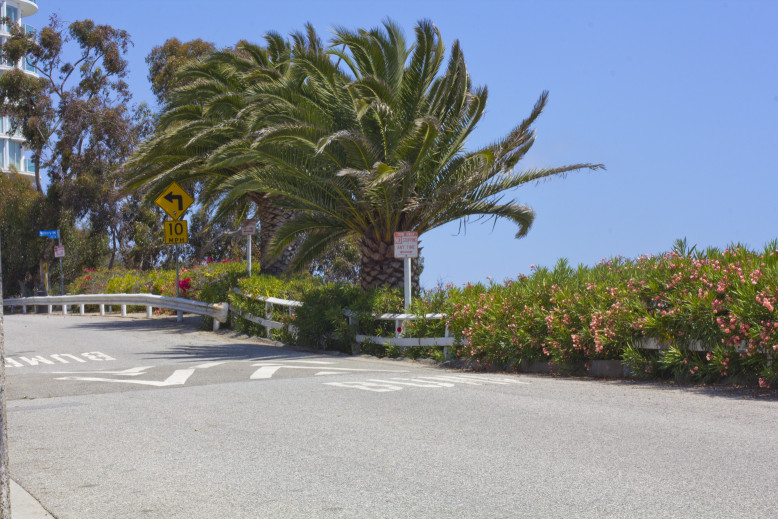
point(267, 321)
point(400, 340)
point(219, 312)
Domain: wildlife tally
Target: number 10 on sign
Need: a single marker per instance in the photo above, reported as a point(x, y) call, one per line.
point(176, 231)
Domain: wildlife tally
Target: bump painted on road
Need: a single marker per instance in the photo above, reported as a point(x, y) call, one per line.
point(59, 358)
point(443, 381)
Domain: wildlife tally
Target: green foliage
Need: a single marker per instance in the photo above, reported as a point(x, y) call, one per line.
point(686, 300)
point(713, 315)
point(288, 287)
point(167, 59)
point(21, 216)
point(321, 321)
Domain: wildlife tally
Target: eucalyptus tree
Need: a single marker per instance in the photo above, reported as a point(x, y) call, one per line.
point(371, 139)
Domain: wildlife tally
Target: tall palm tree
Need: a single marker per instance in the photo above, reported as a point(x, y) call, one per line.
point(205, 113)
point(371, 139)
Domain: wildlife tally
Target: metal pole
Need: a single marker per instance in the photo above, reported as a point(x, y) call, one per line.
point(407, 269)
point(248, 255)
point(178, 287)
point(5, 484)
point(61, 275)
point(179, 314)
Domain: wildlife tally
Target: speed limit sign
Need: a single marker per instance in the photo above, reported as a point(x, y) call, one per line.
point(176, 231)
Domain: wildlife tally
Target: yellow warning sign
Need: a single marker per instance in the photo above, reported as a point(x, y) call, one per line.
point(174, 201)
point(176, 231)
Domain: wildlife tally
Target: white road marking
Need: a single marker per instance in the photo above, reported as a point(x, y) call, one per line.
point(37, 360)
point(320, 362)
point(264, 372)
point(33, 361)
point(59, 358)
point(397, 383)
point(267, 370)
point(132, 372)
point(96, 355)
point(366, 386)
point(495, 380)
point(418, 382)
point(178, 378)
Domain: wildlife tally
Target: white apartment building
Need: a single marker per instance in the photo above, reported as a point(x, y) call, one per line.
point(12, 145)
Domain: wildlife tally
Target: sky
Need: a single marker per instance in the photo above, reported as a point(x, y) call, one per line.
point(678, 99)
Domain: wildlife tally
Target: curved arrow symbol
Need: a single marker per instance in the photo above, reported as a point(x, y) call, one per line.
point(170, 197)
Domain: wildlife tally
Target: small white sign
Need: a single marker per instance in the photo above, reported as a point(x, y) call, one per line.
point(249, 227)
point(59, 251)
point(406, 244)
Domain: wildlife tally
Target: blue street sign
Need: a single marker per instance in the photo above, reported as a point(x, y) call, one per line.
point(49, 234)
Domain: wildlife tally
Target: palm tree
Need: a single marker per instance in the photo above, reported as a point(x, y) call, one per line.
point(202, 115)
point(371, 139)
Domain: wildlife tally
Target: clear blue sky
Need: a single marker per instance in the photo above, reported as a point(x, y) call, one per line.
point(679, 99)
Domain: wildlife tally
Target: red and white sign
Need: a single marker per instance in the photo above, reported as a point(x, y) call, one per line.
point(406, 244)
point(249, 227)
point(59, 251)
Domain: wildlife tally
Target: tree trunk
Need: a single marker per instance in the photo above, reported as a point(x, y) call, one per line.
point(271, 218)
point(38, 184)
point(379, 267)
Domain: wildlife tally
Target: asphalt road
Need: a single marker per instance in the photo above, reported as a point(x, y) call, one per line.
point(136, 418)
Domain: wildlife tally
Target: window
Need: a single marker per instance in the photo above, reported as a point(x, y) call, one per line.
point(15, 154)
point(12, 13)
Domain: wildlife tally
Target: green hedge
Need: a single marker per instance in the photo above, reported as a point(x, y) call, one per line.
point(724, 301)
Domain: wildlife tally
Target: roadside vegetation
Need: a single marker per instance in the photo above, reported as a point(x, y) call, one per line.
point(712, 312)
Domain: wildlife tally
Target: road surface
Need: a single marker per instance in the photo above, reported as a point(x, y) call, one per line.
point(136, 418)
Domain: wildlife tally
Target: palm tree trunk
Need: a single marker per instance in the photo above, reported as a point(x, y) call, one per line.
point(271, 217)
point(379, 267)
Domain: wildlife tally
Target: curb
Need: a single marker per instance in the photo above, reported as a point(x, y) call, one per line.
point(24, 506)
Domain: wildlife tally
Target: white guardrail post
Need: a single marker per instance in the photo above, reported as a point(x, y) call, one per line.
point(218, 311)
point(400, 340)
point(267, 321)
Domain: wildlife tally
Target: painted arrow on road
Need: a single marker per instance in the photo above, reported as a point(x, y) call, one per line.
point(267, 370)
point(178, 378)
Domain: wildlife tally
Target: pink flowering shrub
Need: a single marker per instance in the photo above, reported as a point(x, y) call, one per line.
point(714, 313)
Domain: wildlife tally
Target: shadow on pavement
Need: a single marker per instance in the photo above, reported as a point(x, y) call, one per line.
point(227, 351)
point(191, 323)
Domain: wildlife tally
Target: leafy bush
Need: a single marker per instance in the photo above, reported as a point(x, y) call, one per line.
point(723, 302)
point(714, 312)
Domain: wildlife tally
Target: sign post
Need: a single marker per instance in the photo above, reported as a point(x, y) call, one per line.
point(406, 246)
point(45, 272)
point(248, 228)
point(175, 201)
point(59, 252)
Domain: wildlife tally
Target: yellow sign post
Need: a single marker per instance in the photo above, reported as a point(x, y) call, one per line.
point(45, 276)
point(174, 201)
point(176, 231)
